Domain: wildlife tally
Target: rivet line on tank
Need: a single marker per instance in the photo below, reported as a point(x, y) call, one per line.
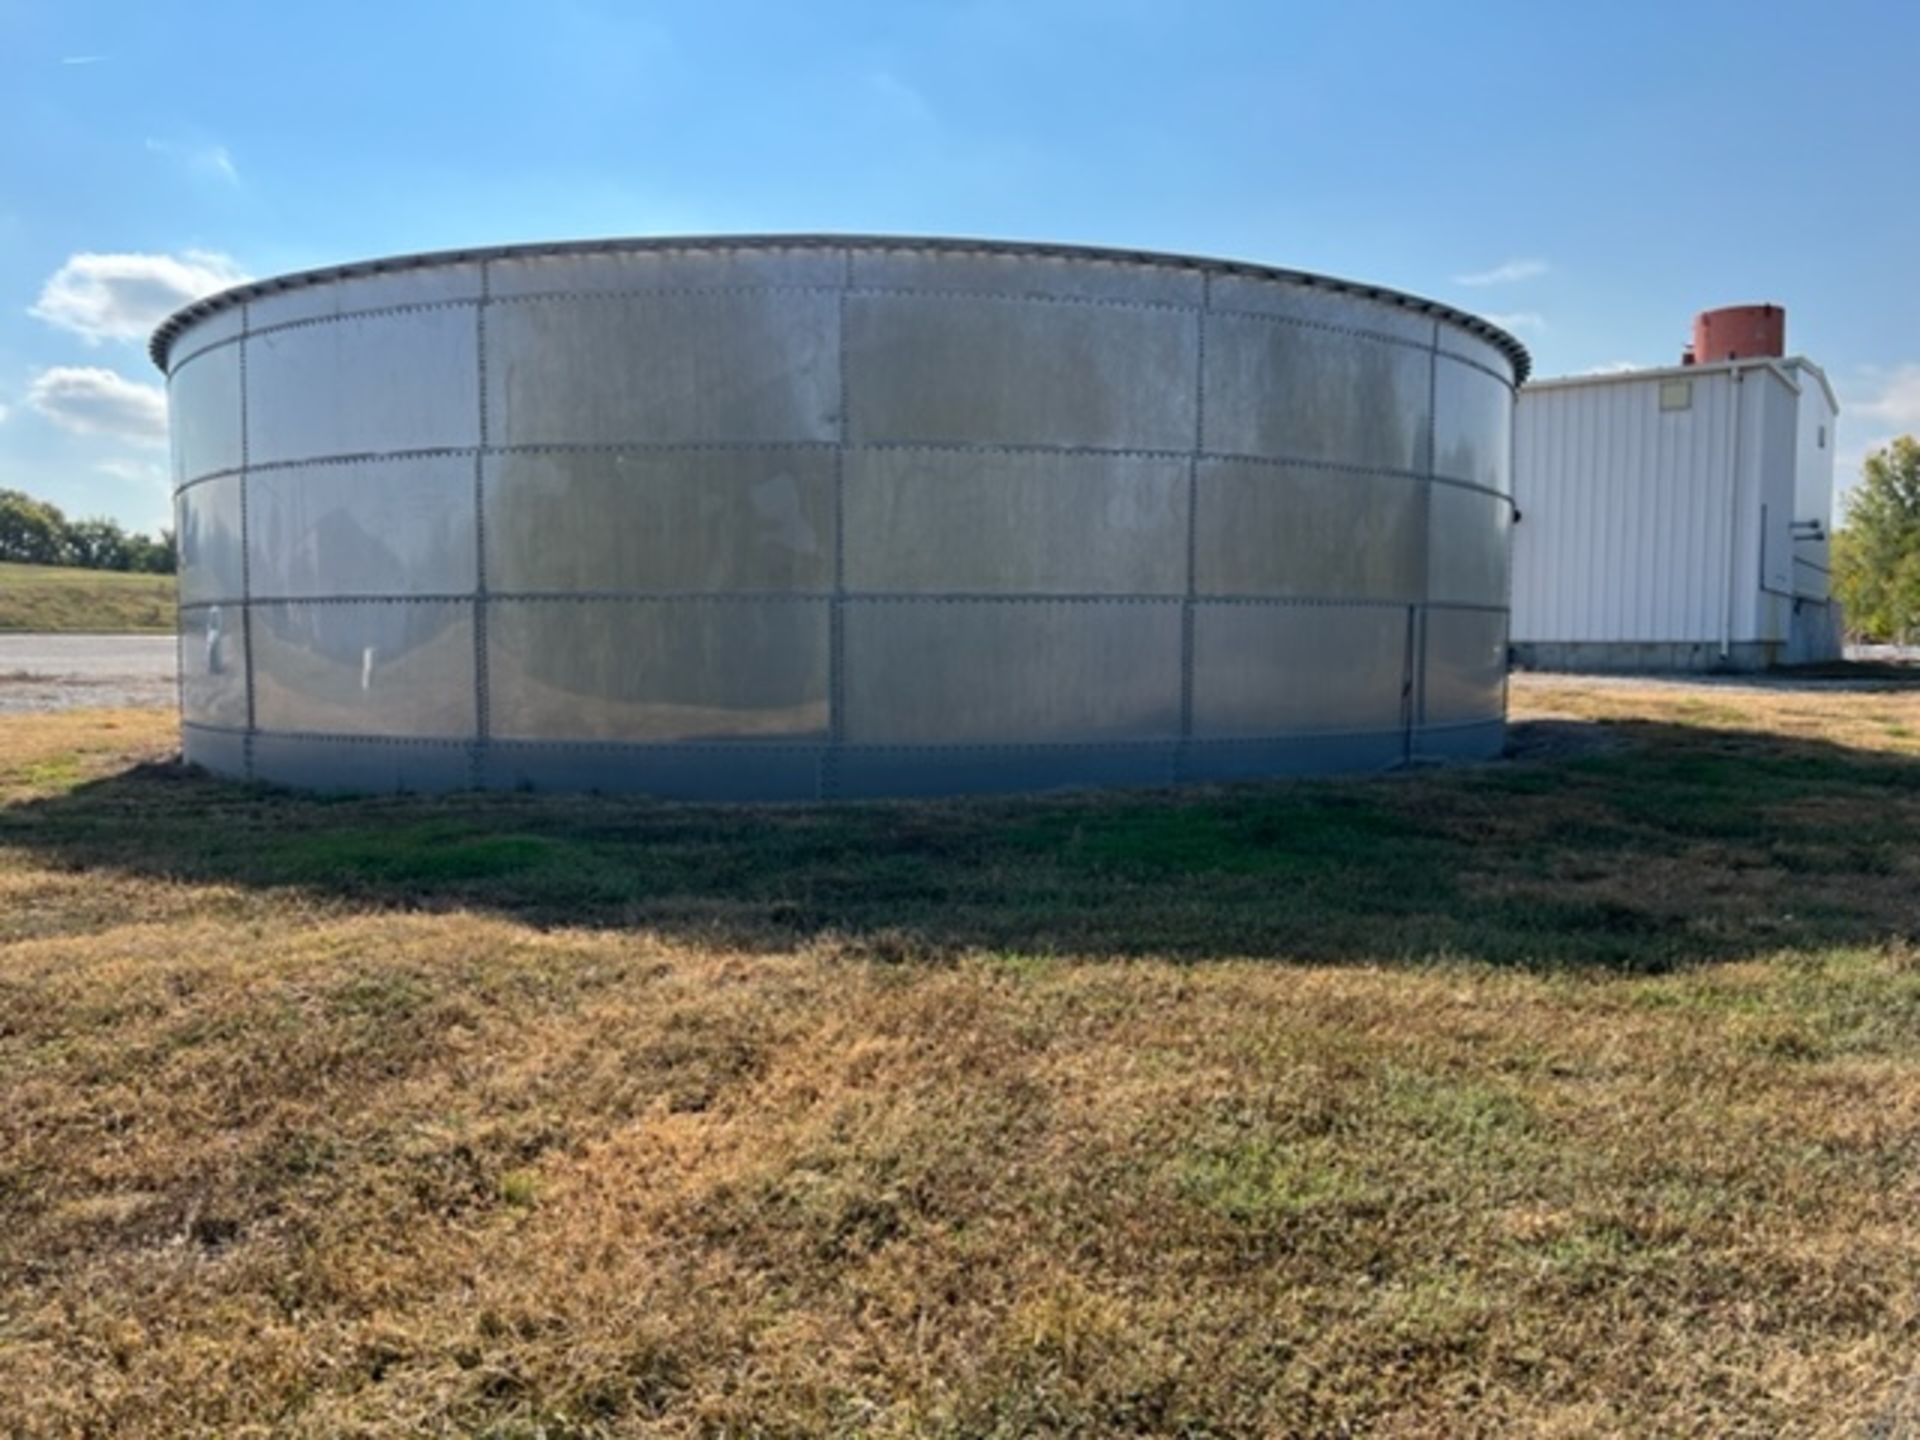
point(246, 545)
point(979, 447)
point(862, 292)
point(669, 748)
point(370, 312)
point(1341, 467)
point(482, 718)
point(1418, 655)
point(1091, 256)
point(1506, 599)
point(1187, 610)
point(865, 291)
point(463, 597)
point(652, 447)
point(177, 363)
point(674, 447)
point(645, 292)
point(1432, 726)
point(330, 737)
point(1477, 607)
point(1033, 297)
point(665, 597)
point(826, 597)
point(1473, 364)
point(1301, 322)
point(310, 462)
point(829, 773)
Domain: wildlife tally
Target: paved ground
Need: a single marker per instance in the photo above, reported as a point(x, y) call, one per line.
point(67, 672)
point(1905, 654)
point(1762, 680)
point(1744, 680)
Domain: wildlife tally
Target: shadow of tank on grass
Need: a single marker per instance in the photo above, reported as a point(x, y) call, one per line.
point(1639, 846)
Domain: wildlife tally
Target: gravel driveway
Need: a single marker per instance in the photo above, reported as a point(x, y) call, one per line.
point(71, 672)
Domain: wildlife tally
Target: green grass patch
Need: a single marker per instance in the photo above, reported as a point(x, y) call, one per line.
point(1259, 1180)
point(1686, 847)
point(56, 599)
point(54, 771)
point(422, 854)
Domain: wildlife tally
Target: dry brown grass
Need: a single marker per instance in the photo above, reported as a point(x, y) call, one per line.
point(1871, 715)
point(347, 1122)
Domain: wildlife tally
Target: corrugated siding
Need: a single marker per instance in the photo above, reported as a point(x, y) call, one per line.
point(1774, 521)
point(1624, 512)
point(1813, 487)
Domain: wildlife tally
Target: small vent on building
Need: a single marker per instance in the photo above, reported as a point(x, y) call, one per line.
point(1676, 395)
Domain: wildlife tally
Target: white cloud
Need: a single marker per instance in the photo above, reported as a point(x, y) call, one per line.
point(4, 412)
point(1520, 320)
point(1877, 404)
point(141, 470)
point(89, 400)
point(212, 160)
point(1614, 367)
point(81, 59)
point(1890, 397)
point(1506, 273)
point(122, 297)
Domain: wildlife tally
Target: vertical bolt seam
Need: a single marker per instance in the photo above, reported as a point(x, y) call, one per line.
point(482, 721)
point(175, 469)
point(1180, 765)
point(1506, 593)
point(1425, 592)
point(836, 607)
point(246, 546)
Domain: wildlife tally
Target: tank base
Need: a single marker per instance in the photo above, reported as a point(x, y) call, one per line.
point(810, 773)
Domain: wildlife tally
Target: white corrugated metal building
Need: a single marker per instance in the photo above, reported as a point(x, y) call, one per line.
point(1675, 519)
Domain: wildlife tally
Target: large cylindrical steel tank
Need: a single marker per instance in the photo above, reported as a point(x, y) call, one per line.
point(792, 517)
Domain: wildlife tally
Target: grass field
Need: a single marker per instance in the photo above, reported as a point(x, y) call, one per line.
point(61, 599)
point(1573, 1096)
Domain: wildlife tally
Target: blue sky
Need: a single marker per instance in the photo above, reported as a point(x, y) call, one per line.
point(1589, 174)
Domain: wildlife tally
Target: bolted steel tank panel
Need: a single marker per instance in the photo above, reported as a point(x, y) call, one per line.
point(803, 517)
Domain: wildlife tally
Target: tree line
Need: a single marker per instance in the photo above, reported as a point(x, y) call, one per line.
point(1876, 553)
point(37, 532)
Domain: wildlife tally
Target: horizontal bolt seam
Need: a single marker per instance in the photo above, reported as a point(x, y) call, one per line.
point(1095, 257)
point(858, 292)
point(670, 447)
point(176, 364)
point(867, 597)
